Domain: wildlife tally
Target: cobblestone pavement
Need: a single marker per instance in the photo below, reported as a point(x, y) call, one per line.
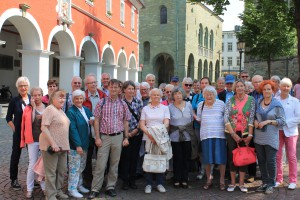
point(195, 190)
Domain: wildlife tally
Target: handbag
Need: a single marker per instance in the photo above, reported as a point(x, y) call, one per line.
point(38, 168)
point(154, 163)
point(243, 156)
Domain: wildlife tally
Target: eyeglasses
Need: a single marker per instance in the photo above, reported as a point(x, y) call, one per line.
point(162, 90)
point(77, 83)
point(244, 76)
point(188, 85)
point(52, 86)
point(168, 92)
point(94, 82)
point(20, 86)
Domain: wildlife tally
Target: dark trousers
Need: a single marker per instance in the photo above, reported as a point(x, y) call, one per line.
point(181, 160)
point(129, 159)
point(15, 156)
point(266, 156)
point(87, 173)
point(252, 167)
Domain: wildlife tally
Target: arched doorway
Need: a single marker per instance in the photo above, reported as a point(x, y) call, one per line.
point(108, 61)
point(163, 67)
point(191, 66)
point(217, 70)
point(200, 69)
point(122, 71)
point(133, 72)
point(211, 71)
point(205, 70)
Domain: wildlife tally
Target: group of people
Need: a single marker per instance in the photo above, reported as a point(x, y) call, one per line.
point(122, 121)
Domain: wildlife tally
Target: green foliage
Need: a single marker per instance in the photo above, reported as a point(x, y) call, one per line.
point(219, 5)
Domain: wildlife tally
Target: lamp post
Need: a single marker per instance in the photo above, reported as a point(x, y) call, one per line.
point(241, 48)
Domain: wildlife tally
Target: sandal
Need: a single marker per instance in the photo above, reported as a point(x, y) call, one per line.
point(184, 185)
point(176, 185)
point(231, 188)
point(207, 186)
point(222, 186)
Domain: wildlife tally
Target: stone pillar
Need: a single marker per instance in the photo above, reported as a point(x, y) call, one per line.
point(110, 69)
point(122, 74)
point(95, 68)
point(35, 65)
point(133, 75)
point(69, 67)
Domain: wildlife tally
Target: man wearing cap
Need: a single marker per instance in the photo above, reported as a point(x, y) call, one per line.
point(175, 81)
point(228, 93)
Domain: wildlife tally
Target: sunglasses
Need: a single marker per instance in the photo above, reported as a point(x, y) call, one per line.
point(168, 92)
point(77, 83)
point(244, 76)
point(188, 85)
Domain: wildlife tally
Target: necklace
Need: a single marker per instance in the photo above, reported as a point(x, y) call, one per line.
point(266, 103)
point(241, 99)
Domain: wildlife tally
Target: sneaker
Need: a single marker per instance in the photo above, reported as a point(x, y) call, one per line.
point(231, 188)
point(75, 193)
point(262, 188)
point(29, 194)
point(269, 190)
point(200, 176)
point(161, 188)
point(292, 186)
point(148, 189)
point(277, 184)
point(15, 185)
point(83, 190)
point(243, 188)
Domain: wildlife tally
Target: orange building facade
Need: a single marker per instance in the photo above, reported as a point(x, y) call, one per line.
point(59, 39)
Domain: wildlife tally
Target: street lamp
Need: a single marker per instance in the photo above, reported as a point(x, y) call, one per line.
point(241, 48)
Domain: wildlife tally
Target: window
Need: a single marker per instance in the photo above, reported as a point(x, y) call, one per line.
point(238, 61)
point(122, 12)
point(146, 52)
point(211, 40)
point(200, 35)
point(206, 38)
point(163, 15)
point(108, 7)
point(222, 46)
point(222, 61)
point(229, 46)
point(55, 70)
point(230, 35)
point(229, 61)
point(132, 18)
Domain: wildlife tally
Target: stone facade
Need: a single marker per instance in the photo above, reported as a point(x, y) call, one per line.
point(173, 48)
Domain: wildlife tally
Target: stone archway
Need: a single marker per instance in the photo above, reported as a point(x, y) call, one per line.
point(133, 72)
point(211, 71)
point(191, 66)
point(163, 67)
point(200, 74)
point(122, 71)
point(108, 61)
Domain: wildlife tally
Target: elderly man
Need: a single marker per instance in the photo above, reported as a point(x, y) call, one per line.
point(256, 80)
point(105, 78)
point(175, 81)
point(245, 76)
point(92, 97)
point(111, 133)
point(150, 79)
point(276, 80)
point(76, 84)
point(144, 89)
point(187, 84)
point(228, 93)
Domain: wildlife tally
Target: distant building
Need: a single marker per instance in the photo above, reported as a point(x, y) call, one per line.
point(179, 38)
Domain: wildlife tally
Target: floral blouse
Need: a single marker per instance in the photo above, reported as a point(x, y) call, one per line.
point(240, 114)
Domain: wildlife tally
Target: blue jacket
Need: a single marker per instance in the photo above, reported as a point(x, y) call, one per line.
point(195, 102)
point(79, 131)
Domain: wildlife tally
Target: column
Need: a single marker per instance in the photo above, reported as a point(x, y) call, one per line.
point(35, 65)
point(95, 68)
point(110, 69)
point(133, 75)
point(122, 74)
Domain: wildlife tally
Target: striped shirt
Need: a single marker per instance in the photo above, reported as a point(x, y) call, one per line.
point(111, 115)
point(212, 120)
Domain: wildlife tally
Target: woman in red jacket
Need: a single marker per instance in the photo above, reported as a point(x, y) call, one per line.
point(30, 132)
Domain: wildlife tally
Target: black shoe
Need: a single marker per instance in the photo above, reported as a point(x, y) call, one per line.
point(132, 185)
point(15, 185)
point(125, 185)
point(93, 195)
point(111, 192)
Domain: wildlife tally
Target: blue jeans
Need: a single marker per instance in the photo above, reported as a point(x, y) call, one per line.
point(266, 156)
point(159, 178)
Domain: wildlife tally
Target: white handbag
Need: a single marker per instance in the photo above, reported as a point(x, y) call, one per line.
point(154, 163)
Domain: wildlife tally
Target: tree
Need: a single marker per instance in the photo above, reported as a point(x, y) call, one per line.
point(220, 6)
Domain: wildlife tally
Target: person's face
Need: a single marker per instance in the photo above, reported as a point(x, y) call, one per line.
point(151, 81)
point(221, 84)
point(78, 100)
point(114, 89)
point(204, 83)
point(37, 96)
point(285, 89)
point(23, 88)
point(229, 86)
point(91, 84)
point(76, 84)
point(178, 97)
point(267, 91)
point(256, 82)
point(175, 83)
point(58, 101)
point(51, 89)
point(129, 91)
point(276, 84)
point(104, 80)
point(168, 92)
point(196, 87)
point(245, 77)
point(240, 88)
point(155, 96)
point(187, 86)
point(144, 92)
point(209, 97)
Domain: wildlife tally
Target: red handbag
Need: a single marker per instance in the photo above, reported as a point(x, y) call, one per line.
point(243, 156)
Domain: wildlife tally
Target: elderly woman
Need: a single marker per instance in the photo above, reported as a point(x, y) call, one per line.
point(187, 84)
point(54, 144)
point(79, 131)
point(239, 119)
point(249, 87)
point(152, 115)
point(168, 92)
point(30, 132)
point(162, 87)
point(288, 135)
point(181, 128)
point(210, 113)
point(269, 117)
point(52, 86)
point(220, 84)
point(14, 120)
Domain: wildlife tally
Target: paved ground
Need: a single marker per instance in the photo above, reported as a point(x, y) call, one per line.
point(194, 192)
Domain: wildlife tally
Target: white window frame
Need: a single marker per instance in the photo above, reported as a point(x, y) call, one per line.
point(229, 44)
point(122, 12)
point(108, 7)
point(132, 18)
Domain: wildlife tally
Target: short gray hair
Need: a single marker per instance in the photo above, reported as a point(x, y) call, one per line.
point(76, 77)
point(22, 79)
point(169, 86)
point(149, 75)
point(187, 80)
point(145, 84)
point(178, 89)
point(77, 93)
point(162, 86)
point(210, 89)
point(286, 81)
point(275, 78)
point(137, 84)
point(90, 74)
point(221, 79)
point(105, 74)
point(36, 89)
point(155, 90)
